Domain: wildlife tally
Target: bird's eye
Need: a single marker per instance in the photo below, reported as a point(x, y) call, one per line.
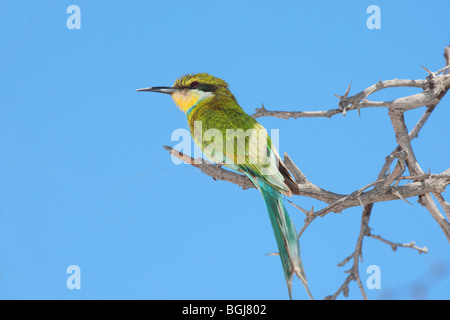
point(194, 84)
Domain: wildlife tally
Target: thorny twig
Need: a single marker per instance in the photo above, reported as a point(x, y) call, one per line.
point(386, 187)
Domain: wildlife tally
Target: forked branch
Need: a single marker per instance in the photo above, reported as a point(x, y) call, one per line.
point(387, 185)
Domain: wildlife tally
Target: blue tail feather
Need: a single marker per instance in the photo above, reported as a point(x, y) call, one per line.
point(285, 234)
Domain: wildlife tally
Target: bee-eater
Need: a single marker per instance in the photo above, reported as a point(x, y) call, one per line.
point(212, 110)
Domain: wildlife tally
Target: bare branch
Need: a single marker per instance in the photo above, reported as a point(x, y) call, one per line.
point(387, 186)
point(398, 123)
point(395, 245)
point(434, 87)
point(447, 58)
point(338, 202)
point(214, 171)
point(355, 256)
point(299, 177)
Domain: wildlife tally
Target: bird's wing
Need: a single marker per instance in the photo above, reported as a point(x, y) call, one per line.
point(232, 137)
point(252, 152)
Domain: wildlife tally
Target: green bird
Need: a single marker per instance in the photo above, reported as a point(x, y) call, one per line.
point(227, 135)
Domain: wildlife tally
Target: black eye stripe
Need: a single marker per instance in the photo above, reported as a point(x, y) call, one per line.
point(206, 87)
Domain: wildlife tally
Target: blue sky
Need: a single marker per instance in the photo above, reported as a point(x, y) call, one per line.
point(85, 180)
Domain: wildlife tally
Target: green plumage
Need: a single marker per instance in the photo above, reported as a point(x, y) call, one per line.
point(213, 113)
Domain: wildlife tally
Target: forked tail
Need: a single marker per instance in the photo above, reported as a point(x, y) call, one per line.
point(286, 236)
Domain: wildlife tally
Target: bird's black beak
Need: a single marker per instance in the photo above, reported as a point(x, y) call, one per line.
point(167, 90)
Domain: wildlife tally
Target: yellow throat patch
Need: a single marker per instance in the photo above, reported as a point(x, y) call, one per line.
point(186, 99)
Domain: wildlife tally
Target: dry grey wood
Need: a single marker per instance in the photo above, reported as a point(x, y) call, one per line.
point(401, 134)
point(386, 187)
point(432, 89)
point(353, 272)
point(337, 202)
point(365, 229)
point(395, 245)
point(213, 170)
point(447, 57)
